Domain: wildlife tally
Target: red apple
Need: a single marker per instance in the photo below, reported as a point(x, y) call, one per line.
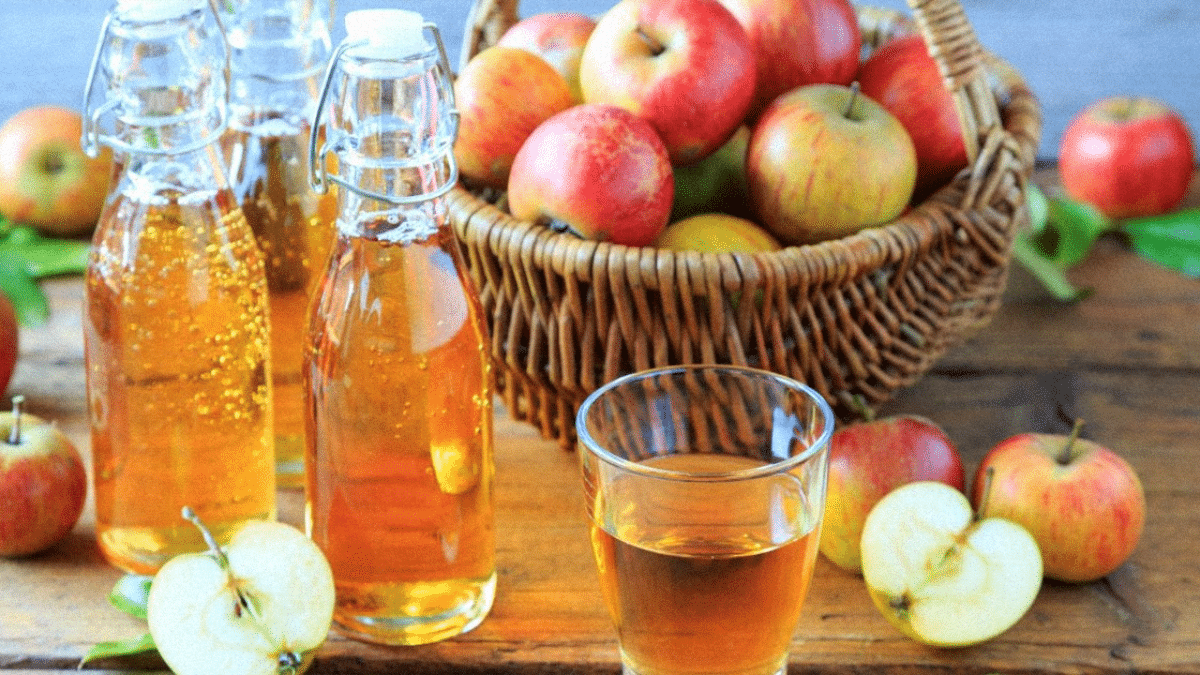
point(42, 484)
point(906, 81)
point(1081, 501)
point(869, 459)
point(684, 65)
point(9, 341)
point(798, 42)
point(46, 180)
point(825, 162)
point(557, 37)
point(600, 170)
point(502, 95)
point(1128, 157)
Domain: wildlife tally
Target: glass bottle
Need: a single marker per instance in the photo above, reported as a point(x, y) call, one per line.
point(175, 320)
point(278, 52)
point(399, 462)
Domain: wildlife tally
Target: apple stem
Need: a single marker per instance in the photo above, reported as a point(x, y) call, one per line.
point(655, 46)
point(243, 604)
point(14, 435)
point(988, 476)
point(854, 90)
point(1069, 450)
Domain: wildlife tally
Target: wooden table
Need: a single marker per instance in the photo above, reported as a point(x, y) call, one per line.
point(1127, 359)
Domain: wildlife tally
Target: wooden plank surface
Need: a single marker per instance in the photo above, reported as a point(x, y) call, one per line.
point(1126, 359)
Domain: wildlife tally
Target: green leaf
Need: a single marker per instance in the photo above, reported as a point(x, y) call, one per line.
point(23, 291)
point(1039, 207)
point(137, 645)
point(131, 593)
point(1070, 229)
point(1171, 240)
point(44, 256)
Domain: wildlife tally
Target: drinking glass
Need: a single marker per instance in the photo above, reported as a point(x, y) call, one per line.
point(705, 486)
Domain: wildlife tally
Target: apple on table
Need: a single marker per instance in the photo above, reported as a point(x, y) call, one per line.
point(1082, 502)
point(502, 95)
point(46, 179)
point(825, 162)
point(869, 459)
point(43, 483)
point(798, 42)
point(1127, 156)
point(557, 37)
point(599, 170)
point(686, 66)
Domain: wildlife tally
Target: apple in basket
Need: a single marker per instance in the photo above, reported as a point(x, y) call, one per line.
point(825, 161)
point(502, 95)
point(597, 170)
point(716, 183)
point(557, 37)
point(716, 233)
point(798, 42)
point(903, 78)
point(1128, 157)
point(686, 66)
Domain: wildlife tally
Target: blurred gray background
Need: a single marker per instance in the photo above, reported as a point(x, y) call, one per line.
point(1071, 52)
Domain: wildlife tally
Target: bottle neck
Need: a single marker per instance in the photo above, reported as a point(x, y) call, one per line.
point(420, 216)
point(140, 174)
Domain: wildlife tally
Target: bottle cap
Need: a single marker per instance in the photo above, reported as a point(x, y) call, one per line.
point(387, 33)
point(156, 10)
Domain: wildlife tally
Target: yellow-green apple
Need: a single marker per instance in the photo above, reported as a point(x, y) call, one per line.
point(686, 66)
point(502, 95)
point(942, 575)
point(46, 179)
point(597, 170)
point(867, 460)
point(825, 162)
point(716, 183)
point(903, 78)
point(9, 341)
point(798, 42)
point(557, 37)
point(1127, 156)
point(42, 483)
point(262, 604)
point(716, 233)
point(1082, 502)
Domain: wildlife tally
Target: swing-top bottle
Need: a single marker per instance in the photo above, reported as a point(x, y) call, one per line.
point(175, 322)
point(399, 459)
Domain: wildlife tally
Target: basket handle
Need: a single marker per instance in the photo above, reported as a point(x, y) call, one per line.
point(486, 22)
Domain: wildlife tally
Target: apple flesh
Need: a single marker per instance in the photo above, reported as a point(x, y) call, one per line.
point(46, 179)
point(1081, 501)
point(262, 604)
point(502, 95)
point(825, 162)
point(1128, 157)
point(685, 66)
point(868, 460)
point(798, 42)
point(942, 576)
point(598, 170)
point(557, 37)
point(43, 483)
point(903, 78)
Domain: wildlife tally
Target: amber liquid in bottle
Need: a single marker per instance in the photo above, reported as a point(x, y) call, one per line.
point(400, 441)
point(294, 228)
point(177, 361)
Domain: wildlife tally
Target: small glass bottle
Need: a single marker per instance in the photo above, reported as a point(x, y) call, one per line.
point(278, 52)
point(175, 320)
point(399, 463)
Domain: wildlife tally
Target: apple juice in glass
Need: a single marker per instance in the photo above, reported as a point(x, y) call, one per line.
point(175, 324)
point(705, 488)
point(397, 377)
point(278, 50)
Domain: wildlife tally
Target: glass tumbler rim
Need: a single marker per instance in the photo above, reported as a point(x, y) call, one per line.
point(817, 446)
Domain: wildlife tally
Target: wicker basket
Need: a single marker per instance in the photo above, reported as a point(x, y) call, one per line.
point(856, 318)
